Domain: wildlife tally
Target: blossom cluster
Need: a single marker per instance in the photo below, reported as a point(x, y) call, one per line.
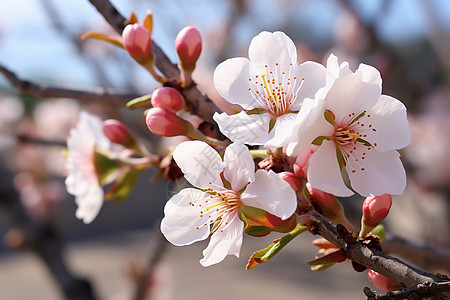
point(332, 130)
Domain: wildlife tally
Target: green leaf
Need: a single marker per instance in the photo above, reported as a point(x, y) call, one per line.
point(105, 167)
point(329, 116)
point(140, 101)
point(114, 40)
point(319, 140)
point(123, 186)
point(379, 232)
point(272, 123)
point(321, 268)
point(258, 222)
point(264, 255)
point(357, 118)
point(364, 142)
point(340, 158)
point(256, 111)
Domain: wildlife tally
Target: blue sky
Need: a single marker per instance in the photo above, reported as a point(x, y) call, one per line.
point(29, 46)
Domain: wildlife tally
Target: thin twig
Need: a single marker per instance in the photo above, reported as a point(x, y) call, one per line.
point(44, 240)
point(384, 264)
point(419, 291)
point(200, 104)
point(158, 245)
point(421, 254)
point(40, 91)
point(36, 141)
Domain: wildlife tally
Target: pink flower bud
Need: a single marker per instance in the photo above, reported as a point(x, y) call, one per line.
point(375, 209)
point(138, 42)
point(163, 122)
point(382, 282)
point(302, 162)
point(293, 180)
point(328, 203)
point(188, 44)
point(168, 98)
point(118, 133)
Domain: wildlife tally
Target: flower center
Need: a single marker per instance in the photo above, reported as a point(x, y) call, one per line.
point(345, 136)
point(220, 208)
point(275, 90)
point(350, 137)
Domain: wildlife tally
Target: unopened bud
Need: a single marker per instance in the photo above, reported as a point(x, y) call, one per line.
point(118, 133)
point(168, 98)
point(375, 209)
point(188, 44)
point(138, 42)
point(163, 122)
point(329, 206)
point(293, 180)
point(302, 162)
point(382, 282)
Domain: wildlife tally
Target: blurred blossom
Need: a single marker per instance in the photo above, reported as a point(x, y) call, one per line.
point(430, 147)
point(349, 34)
point(38, 198)
point(11, 110)
point(54, 118)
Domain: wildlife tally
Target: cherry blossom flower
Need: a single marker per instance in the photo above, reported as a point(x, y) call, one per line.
point(223, 186)
point(82, 180)
point(357, 129)
point(270, 86)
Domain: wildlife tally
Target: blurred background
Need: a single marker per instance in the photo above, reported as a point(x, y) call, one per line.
point(407, 40)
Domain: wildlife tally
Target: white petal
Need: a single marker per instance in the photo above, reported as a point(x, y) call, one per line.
point(314, 75)
point(383, 174)
point(224, 243)
point(231, 81)
point(369, 74)
point(324, 173)
point(200, 164)
point(239, 166)
point(250, 129)
point(310, 124)
point(270, 193)
point(270, 48)
point(282, 131)
point(388, 118)
point(349, 94)
point(94, 125)
point(332, 69)
point(89, 203)
point(181, 219)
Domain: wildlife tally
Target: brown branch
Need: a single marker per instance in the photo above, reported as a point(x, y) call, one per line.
point(421, 254)
point(158, 245)
point(200, 104)
point(118, 22)
point(29, 88)
point(37, 141)
point(419, 291)
point(43, 239)
point(384, 264)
